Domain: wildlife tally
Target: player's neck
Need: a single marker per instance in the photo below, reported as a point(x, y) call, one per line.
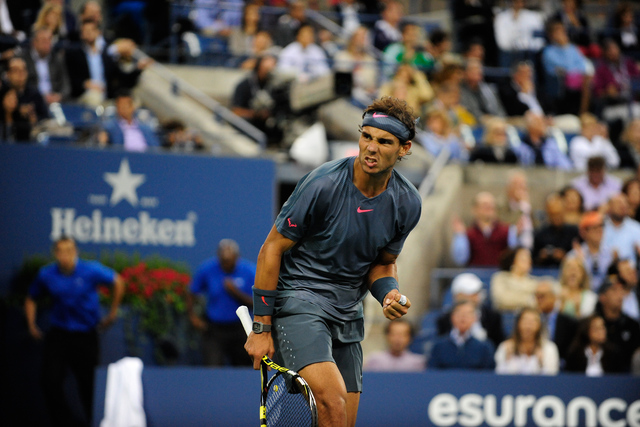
point(370, 185)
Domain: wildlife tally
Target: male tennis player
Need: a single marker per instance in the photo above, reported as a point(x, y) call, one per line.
point(337, 237)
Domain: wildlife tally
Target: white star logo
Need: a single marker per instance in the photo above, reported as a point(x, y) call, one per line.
point(124, 184)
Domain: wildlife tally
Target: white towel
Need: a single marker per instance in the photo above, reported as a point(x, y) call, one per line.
point(123, 406)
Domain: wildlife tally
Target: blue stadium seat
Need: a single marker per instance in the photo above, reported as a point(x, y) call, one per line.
point(80, 116)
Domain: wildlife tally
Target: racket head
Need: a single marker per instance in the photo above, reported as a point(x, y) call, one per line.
point(288, 401)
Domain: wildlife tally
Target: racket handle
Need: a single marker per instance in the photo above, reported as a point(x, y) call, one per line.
point(247, 322)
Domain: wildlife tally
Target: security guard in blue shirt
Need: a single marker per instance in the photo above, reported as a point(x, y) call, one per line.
point(75, 319)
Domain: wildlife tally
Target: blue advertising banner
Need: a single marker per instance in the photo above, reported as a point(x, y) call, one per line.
point(176, 206)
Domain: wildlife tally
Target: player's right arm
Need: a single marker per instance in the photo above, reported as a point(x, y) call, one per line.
point(267, 271)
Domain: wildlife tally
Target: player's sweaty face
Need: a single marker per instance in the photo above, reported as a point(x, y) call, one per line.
point(379, 150)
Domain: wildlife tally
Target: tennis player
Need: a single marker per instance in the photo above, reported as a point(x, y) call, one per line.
point(337, 237)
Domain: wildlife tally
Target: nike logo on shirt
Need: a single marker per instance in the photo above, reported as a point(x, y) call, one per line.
point(360, 210)
point(291, 224)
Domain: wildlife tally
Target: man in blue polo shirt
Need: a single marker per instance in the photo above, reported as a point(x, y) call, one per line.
point(226, 280)
point(72, 341)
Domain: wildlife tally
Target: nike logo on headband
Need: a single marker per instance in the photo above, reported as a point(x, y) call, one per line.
point(378, 115)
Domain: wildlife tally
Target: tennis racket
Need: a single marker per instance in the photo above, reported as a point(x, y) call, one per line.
point(286, 399)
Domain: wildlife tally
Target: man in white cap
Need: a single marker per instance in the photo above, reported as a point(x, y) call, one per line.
point(468, 286)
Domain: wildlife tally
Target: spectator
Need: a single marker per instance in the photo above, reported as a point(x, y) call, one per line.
point(327, 42)
point(125, 130)
point(577, 298)
point(515, 209)
point(128, 67)
point(512, 288)
point(495, 148)
point(555, 239)
point(475, 50)
point(476, 95)
point(213, 18)
point(488, 324)
point(591, 353)
point(226, 280)
point(538, 148)
point(625, 23)
point(409, 85)
point(559, 327)
point(460, 349)
point(349, 11)
point(50, 18)
point(516, 29)
point(363, 67)
point(69, 27)
point(397, 357)
point(527, 352)
point(592, 142)
point(573, 205)
point(474, 19)
point(410, 50)
point(481, 244)
point(46, 68)
point(29, 99)
point(178, 138)
point(439, 133)
point(621, 233)
point(10, 36)
point(576, 23)
point(91, 69)
point(629, 147)
point(596, 186)
point(440, 49)
point(303, 58)
point(91, 11)
point(564, 64)
point(448, 99)
point(519, 96)
point(241, 39)
point(387, 29)
point(252, 99)
point(16, 124)
point(289, 24)
point(595, 256)
point(72, 342)
point(624, 272)
point(262, 45)
point(631, 189)
point(622, 330)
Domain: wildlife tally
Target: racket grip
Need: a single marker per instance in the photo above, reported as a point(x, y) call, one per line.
point(247, 322)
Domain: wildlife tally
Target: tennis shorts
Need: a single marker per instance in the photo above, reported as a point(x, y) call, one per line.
point(304, 334)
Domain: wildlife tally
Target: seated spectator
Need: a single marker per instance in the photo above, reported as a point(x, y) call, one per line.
point(128, 68)
point(289, 23)
point(591, 353)
point(125, 130)
point(554, 239)
point(573, 205)
point(69, 26)
point(577, 25)
point(592, 142)
point(488, 324)
point(564, 63)
point(631, 189)
point(410, 50)
point(519, 96)
point(15, 123)
point(539, 149)
point(629, 146)
point(528, 351)
point(594, 255)
point(596, 186)
point(613, 82)
point(495, 148)
point(46, 68)
point(512, 288)
point(357, 60)
point(213, 18)
point(448, 99)
point(176, 137)
point(262, 45)
point(622, 330)
point(460, 349)
point(516, 29)
point(439, 133)
point(440, 49)
point(577, 298)
point(303, 58)
point(327, 42)
point(252, 99)
point(348, 11)
point(91, 11)
point(624, 21)
point(409, 85)
point(387, 29)
point(482, 243)
point(514, 207)
point(241, 39)
point(621, 233)
point(91, 69)
point(476, 95)
point(50, 18)
point(624, 271)
point(474, 50)
point(29, 98)
point(397, 357)
point(559, 327)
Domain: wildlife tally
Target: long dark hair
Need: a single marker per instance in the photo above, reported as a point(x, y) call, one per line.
point(581, 341)
point(517, 338)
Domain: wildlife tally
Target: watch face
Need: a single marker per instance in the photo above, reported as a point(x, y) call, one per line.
point(257, 327)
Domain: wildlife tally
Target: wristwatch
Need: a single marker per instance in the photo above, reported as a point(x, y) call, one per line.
point(259, 327)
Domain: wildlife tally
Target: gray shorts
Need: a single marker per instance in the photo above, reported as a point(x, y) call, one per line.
point(304, 334)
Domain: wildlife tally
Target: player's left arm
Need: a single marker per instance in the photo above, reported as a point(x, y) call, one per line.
point(118, 293)
point(383, 268)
